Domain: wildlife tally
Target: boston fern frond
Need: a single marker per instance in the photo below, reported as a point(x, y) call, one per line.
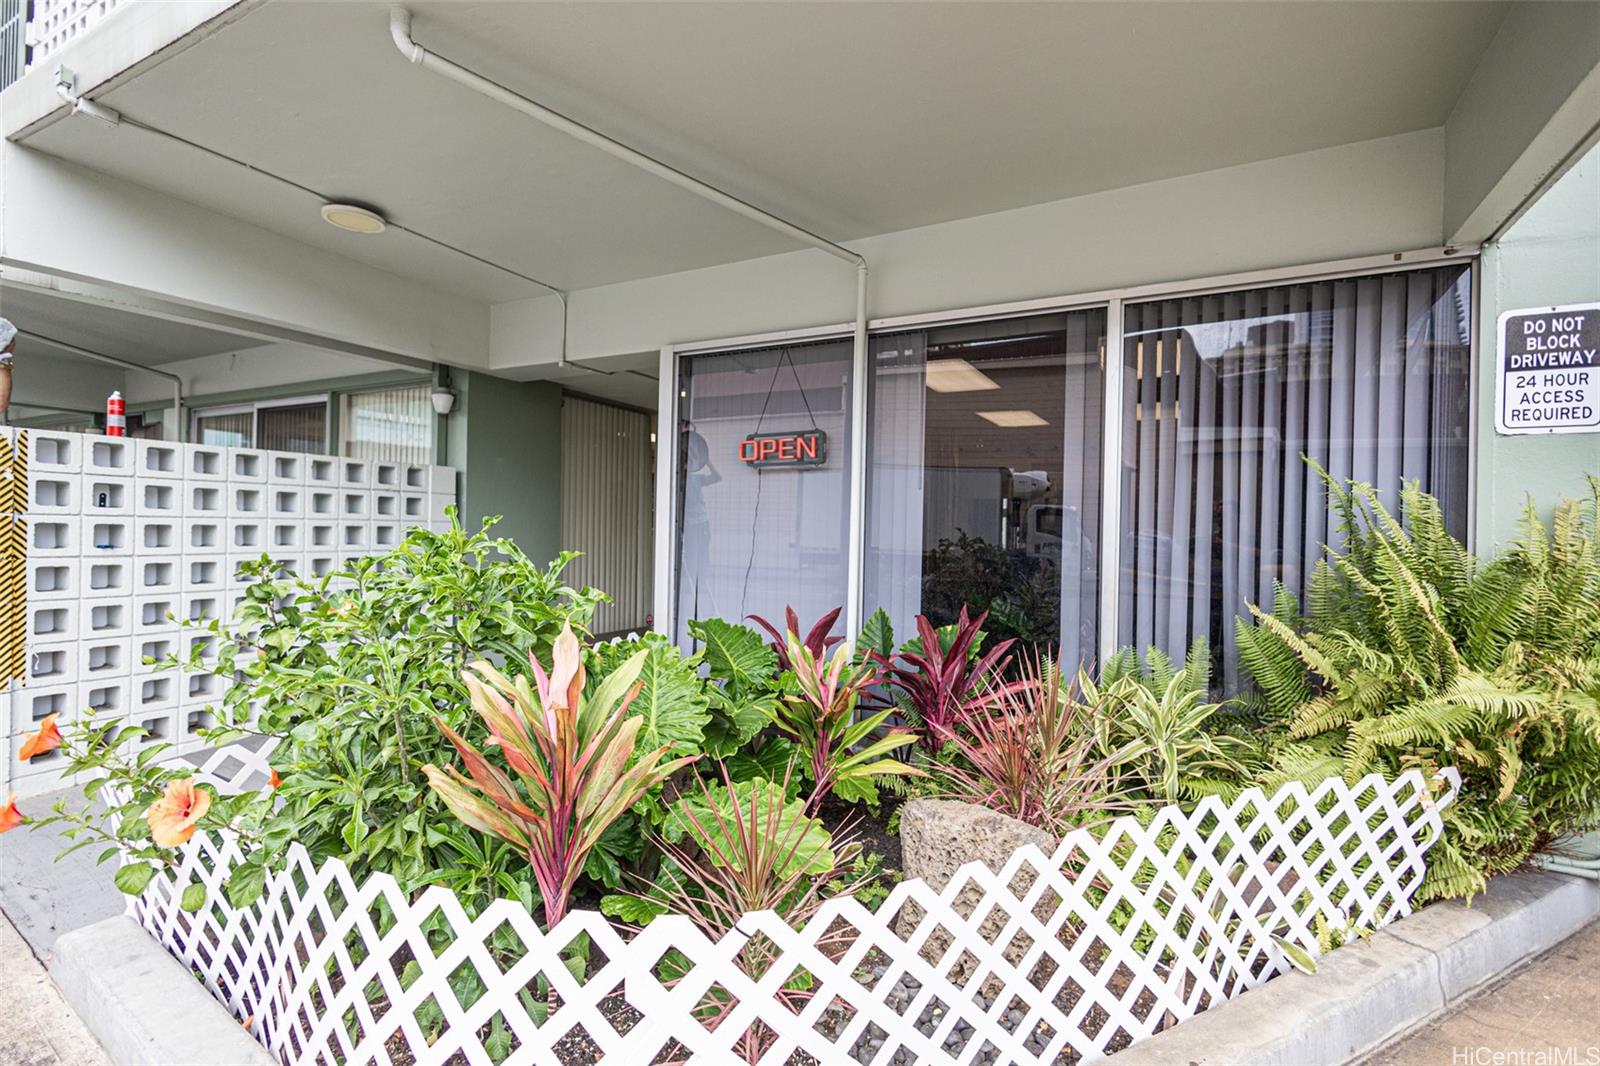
point(1412, 654)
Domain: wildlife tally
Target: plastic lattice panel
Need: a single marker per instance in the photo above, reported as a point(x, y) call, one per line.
point(1115, 935)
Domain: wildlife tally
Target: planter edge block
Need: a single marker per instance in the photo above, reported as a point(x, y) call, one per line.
point(1367, 993)
point(142, 1005)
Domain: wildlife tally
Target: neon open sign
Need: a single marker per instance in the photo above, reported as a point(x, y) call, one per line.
point(805, 448)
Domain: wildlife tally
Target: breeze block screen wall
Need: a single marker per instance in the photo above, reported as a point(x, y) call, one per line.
point(105, 542)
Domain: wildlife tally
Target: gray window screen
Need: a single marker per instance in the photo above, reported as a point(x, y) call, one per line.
point(1223, 394)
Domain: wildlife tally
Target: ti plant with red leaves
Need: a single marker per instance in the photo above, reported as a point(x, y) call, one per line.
point(1029, 749)
point(569, 753)
point(817, 641)
point(936, 684)
point(840, 754)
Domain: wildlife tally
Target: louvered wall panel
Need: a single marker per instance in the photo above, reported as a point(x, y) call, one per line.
point(607, 502)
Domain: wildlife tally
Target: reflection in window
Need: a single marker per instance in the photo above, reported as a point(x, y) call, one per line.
point(983, 484)
point(1224, 394)
point(763, 483)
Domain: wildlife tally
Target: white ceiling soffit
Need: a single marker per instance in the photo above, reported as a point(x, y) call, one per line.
point(142, 339)
point(850, 119)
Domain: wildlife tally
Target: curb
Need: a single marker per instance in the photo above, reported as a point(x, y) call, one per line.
point(1367, 993)
point(142, 1005)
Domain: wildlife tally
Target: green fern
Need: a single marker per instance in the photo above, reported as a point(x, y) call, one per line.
point(1412, 654)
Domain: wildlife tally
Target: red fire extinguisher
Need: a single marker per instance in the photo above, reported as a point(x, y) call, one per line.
point(116, 415)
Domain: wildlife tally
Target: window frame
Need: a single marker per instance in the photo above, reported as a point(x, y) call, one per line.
point(1112, 422)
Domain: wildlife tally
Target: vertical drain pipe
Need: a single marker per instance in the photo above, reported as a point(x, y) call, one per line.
point(400, 31)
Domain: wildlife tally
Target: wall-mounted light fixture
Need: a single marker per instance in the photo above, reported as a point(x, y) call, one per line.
point(444, 401)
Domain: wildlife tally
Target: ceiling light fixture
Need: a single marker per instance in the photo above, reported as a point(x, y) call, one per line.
point(354, 218)
point(1012, 419)
point(957, 375)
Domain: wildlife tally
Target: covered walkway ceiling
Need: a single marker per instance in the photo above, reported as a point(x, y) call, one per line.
point(875, 118)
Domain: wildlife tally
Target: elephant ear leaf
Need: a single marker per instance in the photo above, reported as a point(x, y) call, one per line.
point(736, 655)
point(877, 636)
point(671, 701)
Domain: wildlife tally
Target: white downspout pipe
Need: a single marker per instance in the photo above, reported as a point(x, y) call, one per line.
point(400, 30)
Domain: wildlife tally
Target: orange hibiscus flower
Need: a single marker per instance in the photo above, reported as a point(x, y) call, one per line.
point(48, 738)
point(172, 817)
point(10, 817)
point(274, 780)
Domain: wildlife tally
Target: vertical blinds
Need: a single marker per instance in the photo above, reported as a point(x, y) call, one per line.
point(388, 425)
point(607, 507)
point(233, 430)
point(1225, 393)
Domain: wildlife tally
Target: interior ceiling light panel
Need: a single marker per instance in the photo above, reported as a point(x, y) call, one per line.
point(1012, 419)
point(958, 375)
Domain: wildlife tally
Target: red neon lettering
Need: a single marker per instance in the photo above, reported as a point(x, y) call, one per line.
point(747, 450)
point(767, 449)
point(787, 448)
point(807, 446)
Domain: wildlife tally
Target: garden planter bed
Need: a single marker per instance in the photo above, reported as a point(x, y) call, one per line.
point(314, 968)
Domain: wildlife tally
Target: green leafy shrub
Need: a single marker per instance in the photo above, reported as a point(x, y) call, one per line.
point(348, 682)
point(1410, 653)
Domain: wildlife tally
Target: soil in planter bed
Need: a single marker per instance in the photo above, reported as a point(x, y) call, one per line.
point(870, 830)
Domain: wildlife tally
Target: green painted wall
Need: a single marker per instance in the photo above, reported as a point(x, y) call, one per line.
point(1549, 256)
point(505, 438)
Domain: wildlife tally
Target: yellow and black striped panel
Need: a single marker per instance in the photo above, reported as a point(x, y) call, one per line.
point(13, 558)
point(14, 474)
point(13, 600)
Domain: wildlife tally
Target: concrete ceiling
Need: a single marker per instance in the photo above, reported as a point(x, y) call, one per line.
point(136, 338)
point(851, 118)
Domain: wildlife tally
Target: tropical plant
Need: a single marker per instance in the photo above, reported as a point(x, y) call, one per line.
point(1029, 750)
point(346, 673)
point(817, 640)
point(1412, 654)
point(937, 679)
point(840, 755)
point(137, 810)
point(739, 847)
point(1156, 718)
point(743, 672)
point(572, 754)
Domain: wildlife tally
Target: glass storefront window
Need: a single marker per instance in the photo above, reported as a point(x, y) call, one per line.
point(763, 483)
point(984, 474)
point(1222, 397)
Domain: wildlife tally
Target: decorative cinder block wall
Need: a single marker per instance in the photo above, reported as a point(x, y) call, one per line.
point(107, 542)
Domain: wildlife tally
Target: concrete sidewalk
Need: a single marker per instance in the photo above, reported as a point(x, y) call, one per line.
point(1547, 1012)
point(40, 1029)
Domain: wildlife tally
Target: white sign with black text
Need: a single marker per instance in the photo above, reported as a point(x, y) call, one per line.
point(1547, 378)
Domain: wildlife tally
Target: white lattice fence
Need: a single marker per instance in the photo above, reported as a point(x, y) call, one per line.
point(1112, 937)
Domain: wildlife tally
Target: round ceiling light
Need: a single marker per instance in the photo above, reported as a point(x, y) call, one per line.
point(353, 217)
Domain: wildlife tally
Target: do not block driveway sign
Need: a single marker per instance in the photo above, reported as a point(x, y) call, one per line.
point(1547, 378)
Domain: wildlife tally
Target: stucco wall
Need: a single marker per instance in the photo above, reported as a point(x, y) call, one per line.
point(505, 438)
point(1550, 256)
